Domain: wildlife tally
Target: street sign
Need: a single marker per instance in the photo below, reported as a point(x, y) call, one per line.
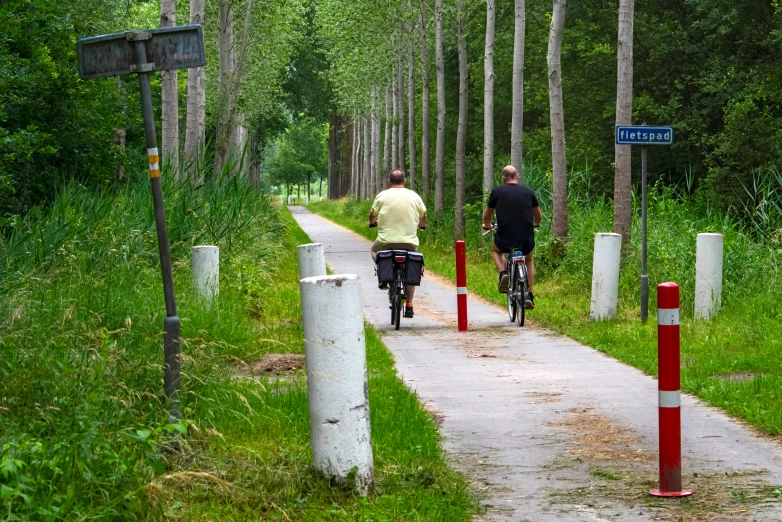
point(643, 135)
point(180, 47)
point(140, 53)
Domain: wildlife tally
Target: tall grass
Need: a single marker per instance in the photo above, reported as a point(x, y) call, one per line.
point(83, 422)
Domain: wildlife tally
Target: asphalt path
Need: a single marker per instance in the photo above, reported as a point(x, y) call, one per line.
point(548, 429)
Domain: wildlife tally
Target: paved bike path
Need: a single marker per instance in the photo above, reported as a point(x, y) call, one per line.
point(548, 429)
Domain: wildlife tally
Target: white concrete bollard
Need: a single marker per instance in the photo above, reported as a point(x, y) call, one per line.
point(306, 201)
point(321, 199)
point(206, 272)
point(335, 355)
point(708, 275)
point(605, 276)
point(312, 260)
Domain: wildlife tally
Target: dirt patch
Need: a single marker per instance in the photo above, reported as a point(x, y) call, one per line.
point(543, 397)
point(276, 362)
point(598, 438)
point(622, 471)
point(735, 376)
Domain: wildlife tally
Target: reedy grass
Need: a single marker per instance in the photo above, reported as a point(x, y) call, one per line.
point(746, 336)
point(82, 416)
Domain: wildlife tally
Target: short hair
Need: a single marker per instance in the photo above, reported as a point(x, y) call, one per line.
point(509, 172)
point(397, 177)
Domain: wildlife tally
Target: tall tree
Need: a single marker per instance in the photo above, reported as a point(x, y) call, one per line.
point(375, 183)
point(227, 59)
point(424, 102)
point(624, 116)
point(440, 144)
point(556, 112)
point(488, 102)
point(387, 137)
point(196, 101)
point(170, 95)
point(367, 172)
point(517, 122)
point(353, 156)
point(411, 99)
point(401, 94)
point(395, 125)
point(461, 133)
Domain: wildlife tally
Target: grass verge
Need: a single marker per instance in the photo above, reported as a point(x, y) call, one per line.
point(731, 361)
point(83, 424)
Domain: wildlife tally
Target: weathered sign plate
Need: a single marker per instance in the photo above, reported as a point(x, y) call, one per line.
point(180, 47)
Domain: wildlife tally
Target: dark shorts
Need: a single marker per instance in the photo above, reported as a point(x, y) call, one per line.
point(527, 245)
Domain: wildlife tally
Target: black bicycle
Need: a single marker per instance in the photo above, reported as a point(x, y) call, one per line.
point(397, 289)
point(518, 284)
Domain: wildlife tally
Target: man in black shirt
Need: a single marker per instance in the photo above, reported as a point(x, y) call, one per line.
point(517, 215)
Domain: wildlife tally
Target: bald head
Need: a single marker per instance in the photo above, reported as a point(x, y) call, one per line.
point(509, 173)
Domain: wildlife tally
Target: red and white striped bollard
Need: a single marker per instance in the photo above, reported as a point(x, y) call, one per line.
point(461, 286)
point(669, 392)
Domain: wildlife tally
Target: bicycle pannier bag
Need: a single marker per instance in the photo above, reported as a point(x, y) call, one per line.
point(385, 266)
point(415, 268)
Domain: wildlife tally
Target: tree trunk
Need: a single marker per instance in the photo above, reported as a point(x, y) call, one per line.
point(309, 183)
point(394, 125)
point(387, 139)
point(375, 151)
point(196, 106)
point(411, 103)
point(226, 64)
point(556, 112)
point(170, 95)
point(367, 174)
point(331, 156)
point(461, 133)
point(320, 186)
point(624, 116)
point(376, 169)
point(401, 93)
point(424, 103)
point(440, 145)
point(488, 102)
point(255, 168)
point(517, 113)
point(352, 160)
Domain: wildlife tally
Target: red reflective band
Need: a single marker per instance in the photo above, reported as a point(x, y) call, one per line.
point(520, 261)
point(399, 259)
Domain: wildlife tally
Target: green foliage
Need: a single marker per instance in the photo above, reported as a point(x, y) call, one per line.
point(298, 154)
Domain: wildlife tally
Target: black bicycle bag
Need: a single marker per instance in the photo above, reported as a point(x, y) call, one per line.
point(415, 268)
point(385, 266)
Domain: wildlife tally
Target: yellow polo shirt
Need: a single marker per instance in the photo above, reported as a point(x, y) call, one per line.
point(398, 211)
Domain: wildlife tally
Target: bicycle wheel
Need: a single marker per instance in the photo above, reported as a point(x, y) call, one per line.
point(521, 293)
point(398, 308)
point(392, 302)
point(512, 303)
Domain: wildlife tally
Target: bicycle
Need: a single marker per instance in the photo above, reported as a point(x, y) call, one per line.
point(518, 284)
point(397, 289)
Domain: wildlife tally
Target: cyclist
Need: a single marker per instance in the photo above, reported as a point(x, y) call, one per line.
point(517, 215)
point(398, 213)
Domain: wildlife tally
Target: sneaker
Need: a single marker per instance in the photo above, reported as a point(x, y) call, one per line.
point(529, 304)
point(503, 286)
point(382, 286)
point(409, 311)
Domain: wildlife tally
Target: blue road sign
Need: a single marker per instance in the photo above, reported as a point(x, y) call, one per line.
point(643, 135)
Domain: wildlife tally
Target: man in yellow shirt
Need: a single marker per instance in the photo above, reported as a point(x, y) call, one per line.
point(398, 213)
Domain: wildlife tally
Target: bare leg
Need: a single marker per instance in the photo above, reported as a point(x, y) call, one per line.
point(530, 262)
point(499, 257)
point(374, 255)
point(410, 293)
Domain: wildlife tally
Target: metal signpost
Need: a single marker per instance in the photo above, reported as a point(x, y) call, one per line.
point(143, 52)
point(643, 135)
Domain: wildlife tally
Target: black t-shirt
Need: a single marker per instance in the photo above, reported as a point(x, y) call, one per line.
point(514, 204)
